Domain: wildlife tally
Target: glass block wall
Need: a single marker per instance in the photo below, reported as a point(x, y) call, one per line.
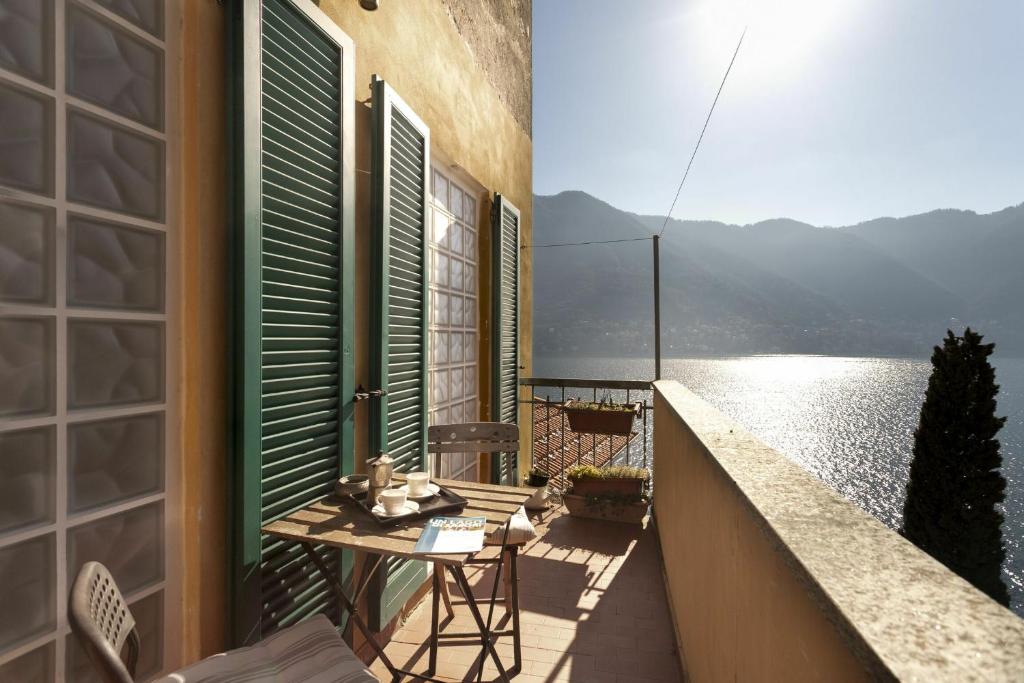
point(83, 322)
point(453, 317)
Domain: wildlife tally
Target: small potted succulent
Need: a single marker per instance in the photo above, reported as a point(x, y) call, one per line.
point(601, 417)
point(611, 493)
point(538, 480)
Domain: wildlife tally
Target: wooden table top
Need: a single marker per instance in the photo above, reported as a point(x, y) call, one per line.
point(330, 522)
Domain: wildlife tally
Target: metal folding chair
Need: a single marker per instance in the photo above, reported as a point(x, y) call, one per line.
point(479, 437)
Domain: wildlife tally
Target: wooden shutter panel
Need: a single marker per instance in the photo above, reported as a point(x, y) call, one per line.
point(399, 310)
point(505, 321)
point(294, 306)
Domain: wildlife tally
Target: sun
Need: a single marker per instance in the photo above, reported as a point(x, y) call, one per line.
point(783, 36)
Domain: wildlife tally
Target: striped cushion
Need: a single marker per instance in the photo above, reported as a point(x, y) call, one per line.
point(519, 532)
point(310, 652)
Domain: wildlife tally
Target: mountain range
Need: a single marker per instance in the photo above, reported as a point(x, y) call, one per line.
point(890, 286)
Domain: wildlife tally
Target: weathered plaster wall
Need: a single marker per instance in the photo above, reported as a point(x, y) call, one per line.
point(418, 49)
point(773, 576)
point(498, 33)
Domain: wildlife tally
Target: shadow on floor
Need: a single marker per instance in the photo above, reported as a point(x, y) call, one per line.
point(593, 609)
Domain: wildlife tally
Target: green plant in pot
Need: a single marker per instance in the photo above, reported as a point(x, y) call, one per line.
point(537, 478)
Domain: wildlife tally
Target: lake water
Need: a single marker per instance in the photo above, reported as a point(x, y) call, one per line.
point(848, 421)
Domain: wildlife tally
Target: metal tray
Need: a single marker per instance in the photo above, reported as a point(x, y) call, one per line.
point(445, 502)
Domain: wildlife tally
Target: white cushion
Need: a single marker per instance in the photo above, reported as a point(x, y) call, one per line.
point(310, 652)
point(520, 531)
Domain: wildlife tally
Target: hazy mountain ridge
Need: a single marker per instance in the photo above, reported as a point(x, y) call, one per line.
point(890, 286)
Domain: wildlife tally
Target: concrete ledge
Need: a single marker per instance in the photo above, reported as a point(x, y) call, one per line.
point(773, 576)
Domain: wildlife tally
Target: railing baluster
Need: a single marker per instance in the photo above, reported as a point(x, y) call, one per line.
point(615, 390)
point(532, 429)
point(629, 441)
point(563, 441)
point(645, 433)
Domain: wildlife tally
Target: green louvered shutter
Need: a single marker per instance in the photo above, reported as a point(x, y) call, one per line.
point(293, 298)
point(505, 321)
point(399, 311)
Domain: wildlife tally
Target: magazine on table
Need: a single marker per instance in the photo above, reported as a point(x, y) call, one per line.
point(451, 535)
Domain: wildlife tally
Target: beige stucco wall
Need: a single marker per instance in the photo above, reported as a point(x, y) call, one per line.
point(203, 278)
point(416, 47)
point(773, 576)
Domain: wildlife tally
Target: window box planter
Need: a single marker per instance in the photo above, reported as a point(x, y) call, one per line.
point(587, 480)
point(614, 419)
point(601, 486)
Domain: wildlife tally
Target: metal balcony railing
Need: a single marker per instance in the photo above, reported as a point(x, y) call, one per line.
point(556, 447)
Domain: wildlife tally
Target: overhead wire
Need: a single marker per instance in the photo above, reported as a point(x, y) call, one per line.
point(579, 244)
point(686, 173)
point(699, 139)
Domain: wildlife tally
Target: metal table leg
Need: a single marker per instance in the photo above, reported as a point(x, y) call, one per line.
point(352, 605)
point(487, 644)
point(356, 618)
point(435, 600)
point(517, 648)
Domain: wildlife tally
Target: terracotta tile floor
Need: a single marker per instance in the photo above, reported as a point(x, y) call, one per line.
point(593, 609)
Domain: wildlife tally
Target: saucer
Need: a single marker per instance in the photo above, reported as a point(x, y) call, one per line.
point(409, 507)
point(432, 488)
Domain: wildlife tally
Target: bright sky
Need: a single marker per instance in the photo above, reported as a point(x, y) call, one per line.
point(836, 110)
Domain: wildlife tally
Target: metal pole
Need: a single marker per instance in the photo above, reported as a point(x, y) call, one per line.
point(657, 310)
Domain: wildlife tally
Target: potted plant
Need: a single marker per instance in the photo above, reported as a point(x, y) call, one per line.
point(588, 480)
point(601, 417)
point(538, 481)
point(536, 478)
point(610, 493)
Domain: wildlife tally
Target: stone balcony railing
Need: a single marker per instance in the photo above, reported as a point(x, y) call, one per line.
point(773, 576)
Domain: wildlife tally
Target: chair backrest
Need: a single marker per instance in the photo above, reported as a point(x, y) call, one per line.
point(476, 437)
point(473, 437)
point(101, 619)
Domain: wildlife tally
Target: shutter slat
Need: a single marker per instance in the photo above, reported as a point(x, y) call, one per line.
point(300, 273)
point(400, 308)
point(505, 398)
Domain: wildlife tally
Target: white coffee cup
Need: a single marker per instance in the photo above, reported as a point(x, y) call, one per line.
point(392, 500)
point(417, 482)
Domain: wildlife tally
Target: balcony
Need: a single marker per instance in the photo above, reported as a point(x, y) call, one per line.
point(749, 569)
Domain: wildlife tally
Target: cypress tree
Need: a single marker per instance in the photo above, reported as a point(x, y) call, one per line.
point(955, 481)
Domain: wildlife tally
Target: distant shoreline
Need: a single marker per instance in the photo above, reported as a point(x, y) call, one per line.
point(708, 356)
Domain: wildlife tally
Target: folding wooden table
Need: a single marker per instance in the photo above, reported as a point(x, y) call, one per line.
point(330, 522)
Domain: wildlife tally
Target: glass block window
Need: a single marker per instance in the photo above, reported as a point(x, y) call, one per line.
point(113, 69)
point(26, 139)
point(28, 472)
point(34, 665)
point(454, 335)
point(27, 590)
point(114, 266)
point(26, 253)
point(87, 407)
point(26, 37)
